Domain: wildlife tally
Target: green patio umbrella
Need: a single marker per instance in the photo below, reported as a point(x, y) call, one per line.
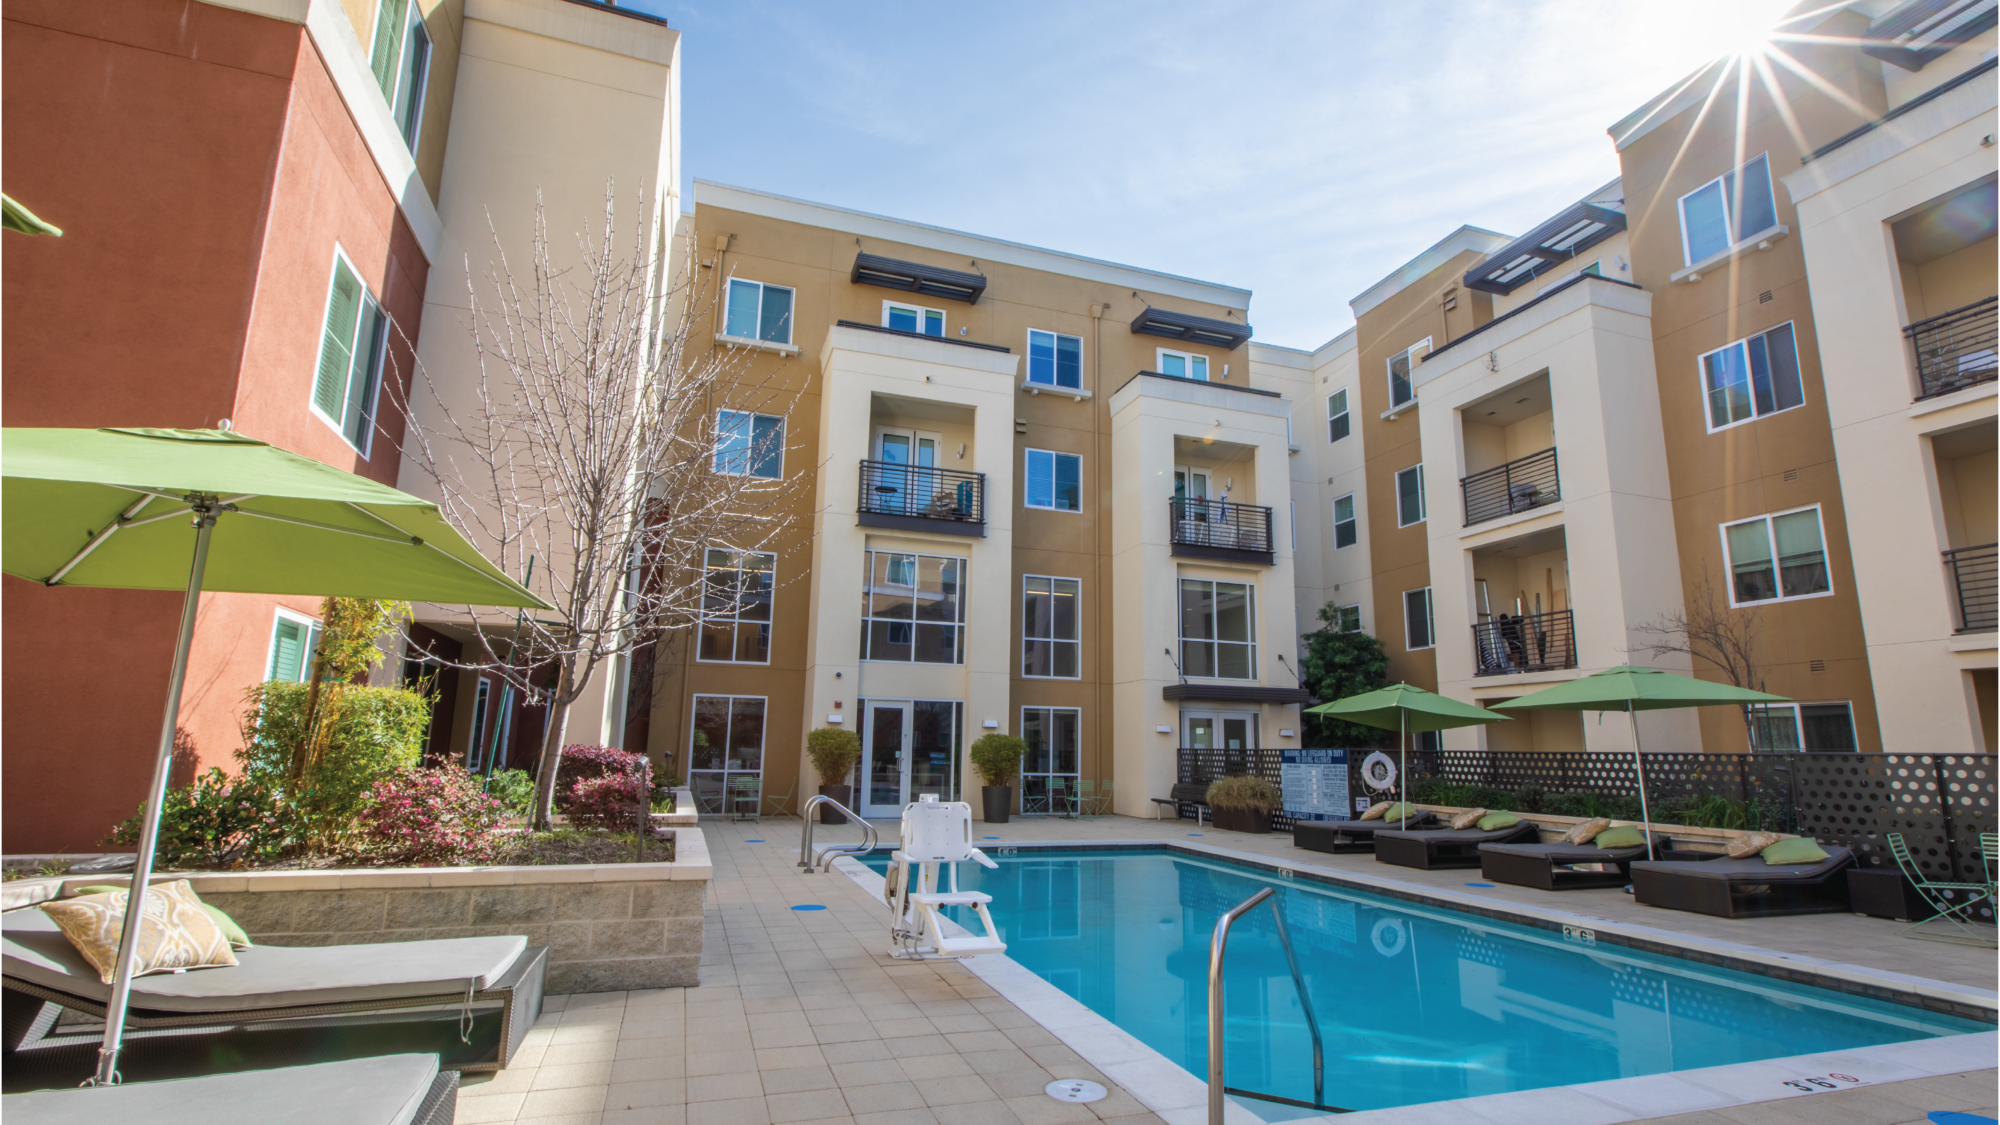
point(20, 220)
point(1631, 690)
point(1404, 708)
point(114, 507)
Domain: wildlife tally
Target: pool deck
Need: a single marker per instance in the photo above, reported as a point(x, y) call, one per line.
point(802, 1017)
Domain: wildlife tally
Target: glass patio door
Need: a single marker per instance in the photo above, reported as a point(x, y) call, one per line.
point(885, 775)
point(1226, 736)
point(905, 489)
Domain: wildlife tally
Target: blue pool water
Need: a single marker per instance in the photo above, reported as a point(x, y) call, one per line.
point(1416, 1004)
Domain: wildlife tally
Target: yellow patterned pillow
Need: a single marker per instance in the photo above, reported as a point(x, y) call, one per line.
point(176, 933)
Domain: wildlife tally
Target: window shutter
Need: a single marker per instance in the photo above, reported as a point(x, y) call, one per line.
point(287, 651)
point(383, 57)
point(336, 351)
point(359, 418)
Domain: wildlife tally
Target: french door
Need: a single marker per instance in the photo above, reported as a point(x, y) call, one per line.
point(908, 748)
point(902, 486)
point(1227, 736)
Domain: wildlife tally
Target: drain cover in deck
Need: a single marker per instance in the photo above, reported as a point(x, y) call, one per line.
point(1074, 1090)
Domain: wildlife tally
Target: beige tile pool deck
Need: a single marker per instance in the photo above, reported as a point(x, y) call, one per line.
point(802, 1017)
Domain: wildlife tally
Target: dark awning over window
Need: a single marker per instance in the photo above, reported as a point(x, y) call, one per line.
point(1233, 693)
point(915, 277)
point(1544, 248)
point(1192, 329)
point(1914, 33)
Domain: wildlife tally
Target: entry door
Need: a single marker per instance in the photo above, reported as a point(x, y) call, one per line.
point(885, 745)
point(905, 489)
point(1225, 735)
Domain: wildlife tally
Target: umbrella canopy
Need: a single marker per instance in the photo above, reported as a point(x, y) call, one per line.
point(1626, 688)
point(1403, 707)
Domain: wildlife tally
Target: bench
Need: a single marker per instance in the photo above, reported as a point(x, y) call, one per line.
point(1185, 793)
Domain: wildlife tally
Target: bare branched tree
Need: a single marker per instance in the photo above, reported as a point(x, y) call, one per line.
point(1710, 632)
point(602, 450)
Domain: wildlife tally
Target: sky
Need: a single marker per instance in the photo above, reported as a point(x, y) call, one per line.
point(1300, 150)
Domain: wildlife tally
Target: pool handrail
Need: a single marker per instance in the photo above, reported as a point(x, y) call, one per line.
point(1218, 945)
point(833, 851)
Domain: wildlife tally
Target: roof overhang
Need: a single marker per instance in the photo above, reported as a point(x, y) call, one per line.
point(1234, 693)
point(1917, 32)
point(1191, 329)
point(915, 277)
point(1553, 243)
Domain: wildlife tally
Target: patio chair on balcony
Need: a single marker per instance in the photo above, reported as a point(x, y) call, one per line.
point(746, 787)
point(1952, 903)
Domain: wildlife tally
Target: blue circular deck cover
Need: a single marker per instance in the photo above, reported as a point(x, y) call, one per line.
point(809, 906)
point(1949, 1117)
point(1488, 886)
point(753, 841)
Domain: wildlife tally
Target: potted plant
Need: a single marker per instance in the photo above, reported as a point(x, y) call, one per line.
point(997, 757)
point(834, 751)
point(1244, 804)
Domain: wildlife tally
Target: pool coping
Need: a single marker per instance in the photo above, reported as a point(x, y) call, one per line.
point(1181, 1098)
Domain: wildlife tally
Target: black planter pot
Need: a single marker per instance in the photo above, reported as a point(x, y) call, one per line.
point(1241, 820)
point(999, 801)
point(841, 793)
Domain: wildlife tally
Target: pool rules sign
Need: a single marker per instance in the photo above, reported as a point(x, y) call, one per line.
point(1315, 784)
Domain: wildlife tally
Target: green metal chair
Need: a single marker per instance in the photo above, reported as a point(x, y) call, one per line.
point(778, 802)
point(1086, 799)
point(1953, 901)
point(746, 787)
point(1103, 798)
point(1059, 795)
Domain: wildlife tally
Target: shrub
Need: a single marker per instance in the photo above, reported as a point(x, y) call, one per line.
point(218, 822)
point(609, 800)
point(1335, 665)
point(833, 752)
point(997, 757)
point(1254, 794)
point(432, 816)
point(585, 763)
point(514, 789)
point(367, 733)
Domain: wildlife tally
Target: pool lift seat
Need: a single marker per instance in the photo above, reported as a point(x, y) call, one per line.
point(936, 834)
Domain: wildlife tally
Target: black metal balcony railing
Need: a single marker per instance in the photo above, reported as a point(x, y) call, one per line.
point(1977, 584)
point(1955, 350)
point(1531, 642)
point(1220, 529)
point(921, 492)
point(1520, 484)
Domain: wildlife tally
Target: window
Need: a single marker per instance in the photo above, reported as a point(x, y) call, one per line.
point(1809, 727)
point(1292, 510)
point(736, 607)
point(352, 341)
point(1055, 360)
point(727, 742)
point(475, 749)
point(758, 312)
point(1054, 751)
point(1051, 641)
point(1401, 390)
point(911, 318)
point(385, 50)
point(1337, 424)
point(1727, 210)
point(1776, 558)
point(1751, 378)
point(1419, 631)
point(1347, 619)
point(1184, 365)
point(1410, 496)
point(1345, 530)
point(913, 608)
point(293, 638)
point(411, 73)
point(1218, 629)
point(1055, 480)
point(749, 444)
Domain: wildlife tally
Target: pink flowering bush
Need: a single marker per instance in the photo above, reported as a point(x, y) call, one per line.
point(439, 817)
point(589, 763)
point(609, 800)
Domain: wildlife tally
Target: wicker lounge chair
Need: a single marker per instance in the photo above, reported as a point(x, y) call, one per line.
point(470, 1000)
point(1554, 867)
point(1745, 888)
point(385, 1090)
point(1446, 847)
point(1349, 837)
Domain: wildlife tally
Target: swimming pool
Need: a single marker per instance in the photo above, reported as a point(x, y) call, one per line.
point(1416, 1003)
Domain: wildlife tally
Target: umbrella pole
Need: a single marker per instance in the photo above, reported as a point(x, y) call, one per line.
point(1639, 765)
point(1403, 748)
point(149, 832)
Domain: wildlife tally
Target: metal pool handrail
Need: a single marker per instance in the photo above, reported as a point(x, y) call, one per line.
point(1217, 946)
point(833, 851)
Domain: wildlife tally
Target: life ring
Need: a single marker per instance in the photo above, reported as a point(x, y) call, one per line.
point(1389, 936)
point(1378, 771)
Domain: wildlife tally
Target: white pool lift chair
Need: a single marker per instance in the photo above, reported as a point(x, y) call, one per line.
point(936, 833)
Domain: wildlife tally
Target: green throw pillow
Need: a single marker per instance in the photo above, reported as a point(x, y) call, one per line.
point(1397, 812)
point(1623, 836)
point(1798, 849)
point(238, 939)
point(1497, 820)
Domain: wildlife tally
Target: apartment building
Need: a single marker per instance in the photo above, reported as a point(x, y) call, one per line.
point(263, 202)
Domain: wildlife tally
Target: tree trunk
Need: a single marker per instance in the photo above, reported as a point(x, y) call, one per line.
point(552, 744)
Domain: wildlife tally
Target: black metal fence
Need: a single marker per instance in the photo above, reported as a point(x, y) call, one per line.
point(1977, 585)
point(1955, 350)
point(1202, 765)
point(1529, 642)
point(1517, 486)
point(1221, 524)
point(922, 492)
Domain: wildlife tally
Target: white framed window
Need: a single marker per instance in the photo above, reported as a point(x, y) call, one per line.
point(413, 70)
point(347, 380)
point(1776, 558)
point(475, 747)
point(1410, 496)
point(736, 606)
point(1218, 629)
point(1055, 743)
point(912, 318)
point(748, 444)
point(1183, 365)
point(1751, 378)
point(759, 312)
point(294, 637)
point(1401, 389)
point(725, 742)
point(1338, 424)
point(1419, 629)
point(913, 608)
point(1051, 627)
point(1346, 530)
point(1347, 618)
point(1054, 481)
point(1055, 360)
point(1812, 728)
point(1734, 206)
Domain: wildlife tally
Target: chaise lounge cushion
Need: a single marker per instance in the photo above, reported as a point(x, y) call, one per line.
point(267, 976)
point(1751, 869)
point(386, 1090)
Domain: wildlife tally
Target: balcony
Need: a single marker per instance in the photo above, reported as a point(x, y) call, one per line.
point(1221, 529)
point(1517, 486)
point(1973, 578)
point(1531, 642)
point(1955, 350)
point(920, 498)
